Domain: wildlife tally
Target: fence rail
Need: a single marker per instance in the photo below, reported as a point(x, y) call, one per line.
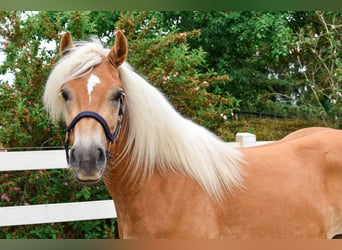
point(63, 212)
point(58, 212)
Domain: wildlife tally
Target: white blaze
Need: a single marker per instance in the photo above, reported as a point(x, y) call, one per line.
point(92, 81)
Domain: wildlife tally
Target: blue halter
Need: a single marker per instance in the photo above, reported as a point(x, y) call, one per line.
point(90, 114)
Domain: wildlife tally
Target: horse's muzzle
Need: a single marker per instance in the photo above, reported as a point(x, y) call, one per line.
point(88, 163)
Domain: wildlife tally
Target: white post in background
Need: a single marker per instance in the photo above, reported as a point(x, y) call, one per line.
point(245, 139)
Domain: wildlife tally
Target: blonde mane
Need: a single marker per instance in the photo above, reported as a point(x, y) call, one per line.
point(159, 138)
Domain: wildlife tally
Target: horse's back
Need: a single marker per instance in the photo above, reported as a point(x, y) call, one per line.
point(313, 137)
point(313, 131)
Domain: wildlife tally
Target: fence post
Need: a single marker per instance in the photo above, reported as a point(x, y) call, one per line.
point(245, 139)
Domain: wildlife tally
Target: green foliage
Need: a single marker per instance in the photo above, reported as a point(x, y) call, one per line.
point(96, 229)
point(206, 62)
point(247, 46)
point(264, 54)
point(319, 52)
point(168, 62)
point(22, 118)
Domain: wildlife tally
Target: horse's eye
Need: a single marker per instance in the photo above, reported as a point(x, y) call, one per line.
point(118, 95)
point(65, 95)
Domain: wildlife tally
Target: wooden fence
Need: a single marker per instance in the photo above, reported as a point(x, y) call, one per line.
point(63, 212)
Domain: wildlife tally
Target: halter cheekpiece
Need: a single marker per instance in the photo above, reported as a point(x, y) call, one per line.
point(90, 114)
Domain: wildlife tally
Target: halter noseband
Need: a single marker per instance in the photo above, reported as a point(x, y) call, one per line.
point(90, 114)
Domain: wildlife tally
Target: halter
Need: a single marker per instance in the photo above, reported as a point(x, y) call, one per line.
point(90, 114)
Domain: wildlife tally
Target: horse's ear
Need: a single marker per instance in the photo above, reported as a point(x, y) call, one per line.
point(65, 44)
point(118, 52)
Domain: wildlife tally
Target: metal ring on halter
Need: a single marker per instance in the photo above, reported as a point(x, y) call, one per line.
point(90, 114)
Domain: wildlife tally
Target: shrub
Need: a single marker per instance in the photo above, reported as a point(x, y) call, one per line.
point(164, 57)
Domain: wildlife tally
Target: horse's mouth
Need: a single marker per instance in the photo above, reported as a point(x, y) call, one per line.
point(88, 182)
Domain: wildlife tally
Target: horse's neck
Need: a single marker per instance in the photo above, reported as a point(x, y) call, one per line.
point(151, 208)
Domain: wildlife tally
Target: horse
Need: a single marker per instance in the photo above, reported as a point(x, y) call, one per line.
point(172, 178)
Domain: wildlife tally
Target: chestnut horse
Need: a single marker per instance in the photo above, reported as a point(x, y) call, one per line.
point(171, 178)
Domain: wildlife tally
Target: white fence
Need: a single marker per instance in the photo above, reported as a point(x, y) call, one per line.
point(63, 212)
point(47, 213)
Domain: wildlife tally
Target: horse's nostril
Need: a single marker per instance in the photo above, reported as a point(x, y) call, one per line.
point(73, 158)
point(72, 152)
point(101, 158)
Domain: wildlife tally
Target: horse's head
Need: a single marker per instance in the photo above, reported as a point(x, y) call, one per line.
point(92, 110)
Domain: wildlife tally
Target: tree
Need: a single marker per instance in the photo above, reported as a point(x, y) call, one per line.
point(286, 62)
point(317, 64)
point(251, 47)
point(22, 118)
point(163, 55)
